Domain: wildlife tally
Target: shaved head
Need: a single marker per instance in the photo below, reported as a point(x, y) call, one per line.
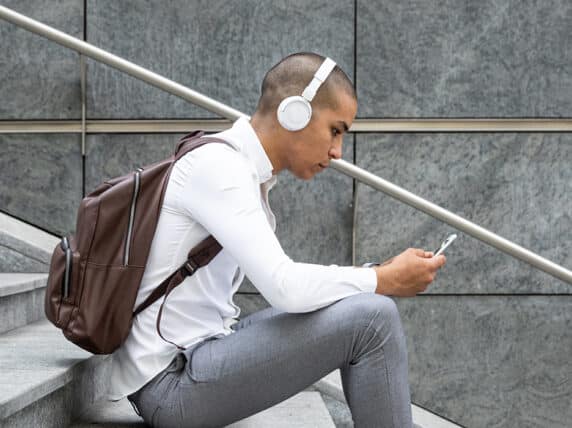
point(291, 76)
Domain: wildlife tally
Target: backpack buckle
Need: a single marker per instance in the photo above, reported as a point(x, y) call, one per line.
point(190, 266)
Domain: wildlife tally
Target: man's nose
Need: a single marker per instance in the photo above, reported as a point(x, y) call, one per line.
point(336, 151)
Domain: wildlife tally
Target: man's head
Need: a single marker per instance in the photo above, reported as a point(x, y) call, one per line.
point(307, 151)
point(290, 77)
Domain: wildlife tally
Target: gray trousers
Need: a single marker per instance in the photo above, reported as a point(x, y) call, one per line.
point(273, 355)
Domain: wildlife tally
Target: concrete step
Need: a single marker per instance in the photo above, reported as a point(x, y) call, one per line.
point(306, 409)
point(24, 248)
point(21, 299)
point(46, 381)
point(331, 385)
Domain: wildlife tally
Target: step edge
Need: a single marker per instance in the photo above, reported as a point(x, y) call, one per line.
point(22, 283)
point(17, 230)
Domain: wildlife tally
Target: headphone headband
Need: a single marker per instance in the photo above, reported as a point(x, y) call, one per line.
point(319, 78)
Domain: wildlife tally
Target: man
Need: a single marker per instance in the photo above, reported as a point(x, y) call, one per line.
point(322, 317)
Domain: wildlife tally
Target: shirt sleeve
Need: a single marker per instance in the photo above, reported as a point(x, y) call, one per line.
point(221, 192)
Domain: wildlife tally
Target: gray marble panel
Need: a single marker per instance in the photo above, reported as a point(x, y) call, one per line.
point(217, 47)
point(112, 155)
point(516, 185)
point(38, 78)
point(41, 180)
point(487, 361)
point(314, 218)
point(491, 58)
point(250, 303)
point(247, 286)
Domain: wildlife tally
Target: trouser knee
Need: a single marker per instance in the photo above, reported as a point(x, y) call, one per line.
point(377, 315)
point(377, 306)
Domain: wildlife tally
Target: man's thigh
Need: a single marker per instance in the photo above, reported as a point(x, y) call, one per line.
point(287, 341)
point(274, 356)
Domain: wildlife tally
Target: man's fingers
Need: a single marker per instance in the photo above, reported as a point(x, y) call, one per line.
point(419, 252)
point(437, 262)
point(422, 253)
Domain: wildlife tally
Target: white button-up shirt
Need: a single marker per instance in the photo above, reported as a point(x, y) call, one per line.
point(223, 191)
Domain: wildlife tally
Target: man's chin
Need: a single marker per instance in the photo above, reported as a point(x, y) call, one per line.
point(309, 176)
point(303, 175)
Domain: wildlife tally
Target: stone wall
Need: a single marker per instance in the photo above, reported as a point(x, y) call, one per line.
point(489, 341)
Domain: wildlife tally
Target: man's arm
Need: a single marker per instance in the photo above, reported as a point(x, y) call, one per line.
point(221, 194)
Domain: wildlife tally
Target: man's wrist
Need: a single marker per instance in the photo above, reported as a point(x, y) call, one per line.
point(383, 284)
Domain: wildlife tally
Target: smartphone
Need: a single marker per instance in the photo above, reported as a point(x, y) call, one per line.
point(445, 244)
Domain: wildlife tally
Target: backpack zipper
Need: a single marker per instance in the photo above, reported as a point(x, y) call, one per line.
point(67, 249)
point(137, 185)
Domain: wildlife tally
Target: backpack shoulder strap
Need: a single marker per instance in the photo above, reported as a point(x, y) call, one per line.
point(199, 256)
point(194, 141)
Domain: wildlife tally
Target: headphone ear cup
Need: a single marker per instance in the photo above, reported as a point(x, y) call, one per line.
point(294, 113)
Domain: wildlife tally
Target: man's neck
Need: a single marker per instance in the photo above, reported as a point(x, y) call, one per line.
point(270, 142)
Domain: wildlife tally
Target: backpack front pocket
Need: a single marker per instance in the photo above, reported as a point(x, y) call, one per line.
point(62, 281)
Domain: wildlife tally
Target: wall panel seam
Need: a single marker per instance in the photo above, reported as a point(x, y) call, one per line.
point(359, 125)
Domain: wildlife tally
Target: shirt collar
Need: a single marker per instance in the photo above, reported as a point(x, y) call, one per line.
point(242, 135)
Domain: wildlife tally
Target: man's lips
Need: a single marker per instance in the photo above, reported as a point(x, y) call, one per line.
point(324, 165)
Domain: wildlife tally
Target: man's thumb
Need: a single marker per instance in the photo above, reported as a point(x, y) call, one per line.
point(440, 260)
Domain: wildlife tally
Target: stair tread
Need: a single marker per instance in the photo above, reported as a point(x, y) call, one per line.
point(302, 410)
point(24, 377)
point(14, 283)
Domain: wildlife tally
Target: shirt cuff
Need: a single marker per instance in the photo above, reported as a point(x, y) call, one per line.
point(366, 279)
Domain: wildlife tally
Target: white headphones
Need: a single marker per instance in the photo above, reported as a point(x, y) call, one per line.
point(295, 112)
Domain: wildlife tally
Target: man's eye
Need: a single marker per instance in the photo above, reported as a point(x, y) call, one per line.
point(335, 132)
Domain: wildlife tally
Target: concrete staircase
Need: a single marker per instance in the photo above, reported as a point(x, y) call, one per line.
point(331, 389)
point(45, 381)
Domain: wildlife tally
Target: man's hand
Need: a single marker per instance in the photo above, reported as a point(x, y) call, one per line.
point(408, 273)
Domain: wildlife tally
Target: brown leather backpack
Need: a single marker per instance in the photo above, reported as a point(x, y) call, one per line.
point(95, 274)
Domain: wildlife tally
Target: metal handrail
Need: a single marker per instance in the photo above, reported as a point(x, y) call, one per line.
point(344, 167)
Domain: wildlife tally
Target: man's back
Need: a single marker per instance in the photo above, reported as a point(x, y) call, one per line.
point(202, 305)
